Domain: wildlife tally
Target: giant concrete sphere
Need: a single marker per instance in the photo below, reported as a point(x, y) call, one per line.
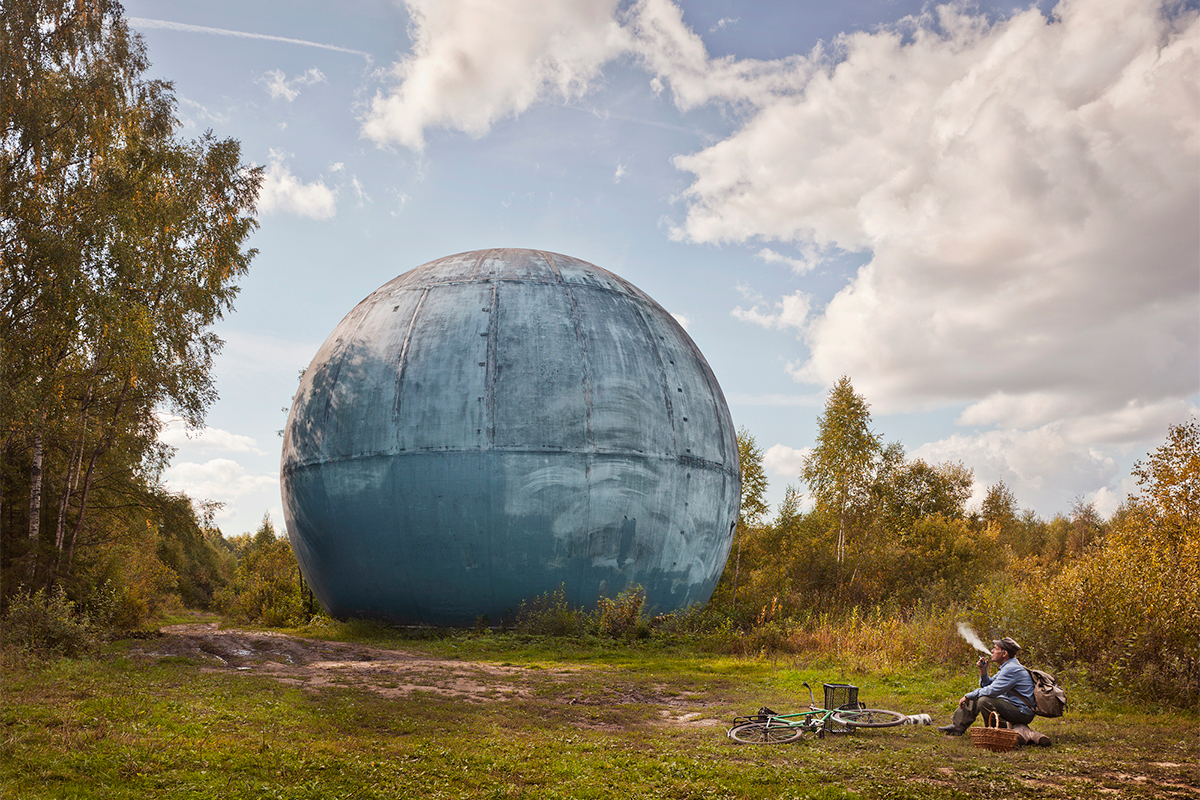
point(493, 425)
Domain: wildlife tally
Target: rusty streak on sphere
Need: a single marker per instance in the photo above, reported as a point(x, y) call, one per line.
point(493, 425)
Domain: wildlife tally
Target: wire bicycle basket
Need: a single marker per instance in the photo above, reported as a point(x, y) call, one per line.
point(841, 696)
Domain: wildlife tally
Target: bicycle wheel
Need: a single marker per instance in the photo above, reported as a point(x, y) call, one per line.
point(869, 718)
point(764, 733)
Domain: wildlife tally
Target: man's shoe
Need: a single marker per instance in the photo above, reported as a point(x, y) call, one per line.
point(951, 730)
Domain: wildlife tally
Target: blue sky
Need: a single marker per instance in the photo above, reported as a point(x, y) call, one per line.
point(985, 215)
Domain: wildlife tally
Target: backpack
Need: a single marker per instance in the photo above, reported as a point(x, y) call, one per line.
point(1049, 699)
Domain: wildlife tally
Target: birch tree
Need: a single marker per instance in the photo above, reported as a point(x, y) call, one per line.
point(840, 469)
point(121, 246)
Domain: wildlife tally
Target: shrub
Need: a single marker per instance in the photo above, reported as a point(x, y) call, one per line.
point(621, 618)
point(266, 587)
point(550, 614)
point(1127, 608)
point(48, 624)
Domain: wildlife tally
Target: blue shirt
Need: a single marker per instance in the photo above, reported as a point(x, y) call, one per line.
point(1011, 683)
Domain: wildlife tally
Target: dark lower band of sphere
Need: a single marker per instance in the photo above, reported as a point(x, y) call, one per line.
point(376, 542)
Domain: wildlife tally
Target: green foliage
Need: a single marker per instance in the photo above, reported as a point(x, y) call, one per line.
point(621, 617)
point(266, 587)
point(753, 506)
point(121, 247)
point(892, 536)
point(550, 614)
point(46, 624)
point(840, 470)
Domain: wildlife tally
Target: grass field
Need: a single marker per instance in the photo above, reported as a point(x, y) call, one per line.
point(502, 716)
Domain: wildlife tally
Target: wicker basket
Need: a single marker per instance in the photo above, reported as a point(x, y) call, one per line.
point(992, 737)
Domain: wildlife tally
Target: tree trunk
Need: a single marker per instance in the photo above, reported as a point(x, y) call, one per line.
point(737, 566)
point(100, 449)
point(35, 505)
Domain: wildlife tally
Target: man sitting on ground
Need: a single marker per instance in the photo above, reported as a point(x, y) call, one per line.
point(1009, 693)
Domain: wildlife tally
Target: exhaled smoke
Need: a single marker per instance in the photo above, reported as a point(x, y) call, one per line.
point(964, 630)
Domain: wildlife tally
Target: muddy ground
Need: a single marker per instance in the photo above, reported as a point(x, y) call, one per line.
point(315, 664)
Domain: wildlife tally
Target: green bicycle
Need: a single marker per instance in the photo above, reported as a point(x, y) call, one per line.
point(770, 727)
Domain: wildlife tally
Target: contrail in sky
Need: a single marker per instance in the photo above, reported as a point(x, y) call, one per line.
point(140, 22)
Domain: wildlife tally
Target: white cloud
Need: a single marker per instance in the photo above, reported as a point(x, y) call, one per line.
point(474, 62)
point(193, 115)
point(798, 265)
point(791, 312)
point(278, 85)
point(784, 461)
point(1024, 460)
point(174, 432)
point(220, 479)
point(677, 58)
point(1032, 219)
point(683, 321)
point(723, 23)
point(1025, 191)
point(359, 192)
point(283, 192)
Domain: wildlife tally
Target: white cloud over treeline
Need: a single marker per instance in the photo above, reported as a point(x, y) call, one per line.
point(1025, 188)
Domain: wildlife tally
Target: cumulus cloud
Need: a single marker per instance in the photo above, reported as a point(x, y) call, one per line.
point(798, 265)
point(282, 192)
point(783, 461)
point(1028, 193)
point(677, 57)
point(223, 480)
point(278, 85)
point(474, 62)
point(790, 311)
point(1025, 460)
point(174, 432)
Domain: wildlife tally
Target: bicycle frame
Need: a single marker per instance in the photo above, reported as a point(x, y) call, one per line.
point(771, 727)
point(816, 720)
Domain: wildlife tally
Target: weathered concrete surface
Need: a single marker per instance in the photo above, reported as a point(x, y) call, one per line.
point(492, 425)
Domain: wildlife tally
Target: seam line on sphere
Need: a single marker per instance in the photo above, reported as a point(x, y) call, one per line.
point(689, 460)
point(403, 365)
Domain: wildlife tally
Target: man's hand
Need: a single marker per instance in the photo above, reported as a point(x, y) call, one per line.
point(962, 701)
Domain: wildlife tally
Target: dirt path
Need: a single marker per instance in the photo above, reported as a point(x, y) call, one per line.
point(315, 664)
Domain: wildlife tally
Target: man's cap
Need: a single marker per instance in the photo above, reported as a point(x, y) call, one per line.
point(1009, 645)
